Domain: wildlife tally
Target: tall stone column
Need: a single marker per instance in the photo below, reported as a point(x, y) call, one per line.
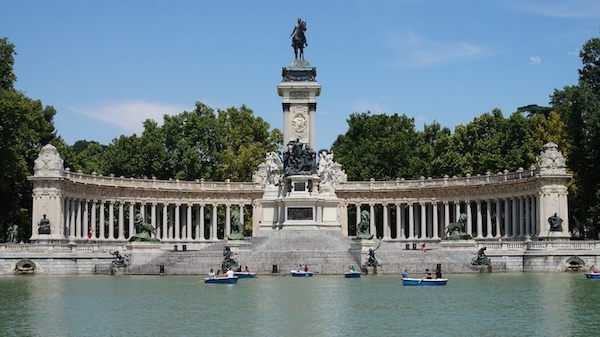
point(101, 235)
point(177, 224)
point(111, 219)
point(72, 220)
point(507, 218)
point(78, 221)
point(93, 220)
point(357, 215)
point(386, 224)
point(201, 222)
point(469, 218)
point(165, 221)
point(399, 228)
point(514, 218)
point(131, 219)
point(85, 220)
point(498, 218)
point(411, 221)
point(521, 216)
point(423, 223)
point(457, 211)
point(479, 222)
point(446, 217)
point(372, 228)
point(227, 220)
point(488, 218)
point(436, 235)
point(143, 211)
point(527, 216)
point(189, 222)
point(153, 218)
point(213, 215)
point(243, 224)
point(121, 222)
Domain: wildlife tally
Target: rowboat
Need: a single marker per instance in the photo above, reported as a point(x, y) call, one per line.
point(351, 274)
point(592, 276)
point(424, 282)
point(244, 274)
point(301, 273)
point(221, 280)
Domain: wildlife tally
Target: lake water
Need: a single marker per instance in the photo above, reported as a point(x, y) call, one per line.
point(523, 304)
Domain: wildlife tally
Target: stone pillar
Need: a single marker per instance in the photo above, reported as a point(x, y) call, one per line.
point(527, 216)
point(479, 221)
point(399, 230)
point(357, 215)
point(121, 222)
point(498, 218)
point(514, 218)
point(177, 224)
point(72, 219)
point(457, 211)
point(201, 222)
point(93, 220)
point(213, 230)
point(469, 218)
point(489, 218)
point(372, 229)
point(446, 217)
point(436, 235)
point(143, 211)
point(227, 220)
point(101, 224)
point(111, 219)
point(165, 222)
point(507, 218)
point(402, 223)
point(189, 222)
point(423, 223)
point(411, 221)
point(342, 216)
point(153, 218)
point(243, 224)
point(521, 219)
point(386, 224)
point(85, 220)
point(131, 219)
point(78, 221)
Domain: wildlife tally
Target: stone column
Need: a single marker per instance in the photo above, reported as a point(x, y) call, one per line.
point(521, 220)
point(507, 218)
point(357, 215)
point(514, 218)
point(534, 226)
point(78, 221)
point(479, 222)
point(423, 223)
point(153, 218)
point(227, 221)
point(243, 225)
point(213, 230)
point(489, 218)
point(386, 224)
point(527, 216)
point(143, 211)
point(411, 221)
point(436, 235)
point(165, 221)
point(72, 220)
point(457, 211)
point(189, 222)
point(111, 219)
point(121, 222)
point(177, 224)
point(85, 220)
point(469, 218)
point(402, 223)
point(131, 219)
point(93, 220)
point(201, 222)
point(446, 217)
point(372, 229)
point(399, 229)
point(498, 218)
point(101, 224)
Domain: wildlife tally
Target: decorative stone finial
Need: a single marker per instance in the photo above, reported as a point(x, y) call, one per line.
point(551, 161)
point(48, 163)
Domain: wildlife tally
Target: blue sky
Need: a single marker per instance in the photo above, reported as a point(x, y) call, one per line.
point(108, 65)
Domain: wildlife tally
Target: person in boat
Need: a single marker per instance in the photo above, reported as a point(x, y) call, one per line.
point(218, 273)
point(404, 274)
point(299, 268)
point(438, 273)
point(306, 268)
point(246, 270)
point(211, 273)
point(593, 269)
point(230, 273)
point(352, 269)
point(427, 274)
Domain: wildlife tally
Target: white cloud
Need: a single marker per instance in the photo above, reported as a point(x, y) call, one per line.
point(129, 115)
point(571, 9)
point(413, 50)
point(535, 60)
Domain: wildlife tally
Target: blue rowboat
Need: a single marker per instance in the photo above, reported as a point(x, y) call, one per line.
point(424, 282)
point(221, 280)
point(592, 276)
point(301, 273)
point(241, 274)
point(351, 274)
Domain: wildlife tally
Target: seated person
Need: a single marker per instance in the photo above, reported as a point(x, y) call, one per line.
point(593, 269)
point(438, 273)
point(299, 268)
point(427, 274)
point(230, 273)
point(352, 269)
point(211, 273)
point(305, 268)
point(246, 270)
point(404, 274)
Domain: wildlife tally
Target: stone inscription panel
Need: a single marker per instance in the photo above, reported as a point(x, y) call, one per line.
point(300, 213)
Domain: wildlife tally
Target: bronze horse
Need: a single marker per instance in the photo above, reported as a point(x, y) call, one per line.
point(299, 39)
